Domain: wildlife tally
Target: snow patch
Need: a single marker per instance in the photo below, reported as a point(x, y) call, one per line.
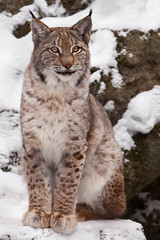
point(123, 51)
point(95, 76)
point(10, 136)
point(103, 49)
point(117, 79)
point(142, 113)
point(123, 33)
point(126, 14)
point(109, 106)
point(102, 87)
point(130, 55)
point(55, 9)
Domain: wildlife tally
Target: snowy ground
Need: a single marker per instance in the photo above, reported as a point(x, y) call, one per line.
point(13, 204)
point(15, 55)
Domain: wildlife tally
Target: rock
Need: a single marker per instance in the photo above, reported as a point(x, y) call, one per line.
point(74, 6)
point(71, 6)
point(13, 6)
point(91, 230)
point(50, 2)
point(144, 208)
point(144, 162)
point(13, 208)
point(138, 63)
point(102, 229)
point(22, 30)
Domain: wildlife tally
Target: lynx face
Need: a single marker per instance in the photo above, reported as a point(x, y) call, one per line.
point(61, 54)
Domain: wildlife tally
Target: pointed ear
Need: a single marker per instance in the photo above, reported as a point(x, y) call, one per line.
point(39, 31)
point(83, 28)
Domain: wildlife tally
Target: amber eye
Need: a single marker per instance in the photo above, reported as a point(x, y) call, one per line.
point(75, 49)
point(55, 50)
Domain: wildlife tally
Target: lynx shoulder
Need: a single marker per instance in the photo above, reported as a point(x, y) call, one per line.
point(73, 165)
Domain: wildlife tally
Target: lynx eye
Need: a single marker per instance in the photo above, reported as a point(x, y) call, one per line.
point(55, 49)
point(76, 49)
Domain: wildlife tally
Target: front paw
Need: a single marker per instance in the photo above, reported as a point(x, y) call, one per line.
point(36, 219)
point(63, 223)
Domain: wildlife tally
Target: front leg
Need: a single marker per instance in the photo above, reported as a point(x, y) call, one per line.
point(39, 190)
point(63, 217)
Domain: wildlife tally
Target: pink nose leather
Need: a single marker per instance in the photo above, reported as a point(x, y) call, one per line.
point(67, 66)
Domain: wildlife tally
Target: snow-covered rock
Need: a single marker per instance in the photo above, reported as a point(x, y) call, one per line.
point(13, 204)
point(142, 114)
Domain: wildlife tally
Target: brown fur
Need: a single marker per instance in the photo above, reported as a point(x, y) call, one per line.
point(69, 152)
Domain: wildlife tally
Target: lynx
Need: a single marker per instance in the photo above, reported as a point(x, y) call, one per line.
point(72, 163)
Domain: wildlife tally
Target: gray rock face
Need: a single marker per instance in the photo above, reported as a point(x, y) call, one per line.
point(144, 162)
point(139, 64)
point(13, 6)
point(73, 6)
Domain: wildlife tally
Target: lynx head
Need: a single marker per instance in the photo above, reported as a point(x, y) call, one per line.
point(61, 54)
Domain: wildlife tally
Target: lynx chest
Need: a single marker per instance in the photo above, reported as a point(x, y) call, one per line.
point(57, 130)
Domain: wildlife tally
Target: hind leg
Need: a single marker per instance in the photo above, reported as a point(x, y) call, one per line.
point(114, 201)
point(110, 204)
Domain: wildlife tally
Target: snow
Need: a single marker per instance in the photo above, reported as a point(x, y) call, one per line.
point(116, 78)
point(55, 9)
point(142, 113)
point(9, 132)
point(105, 52)
point(109, 106)
point(13, 204)
point(102, 87)
point(95, 76)
point(126, 14)
point(130, 55)
point(15, 54)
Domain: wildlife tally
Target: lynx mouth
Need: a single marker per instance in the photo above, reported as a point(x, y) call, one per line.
point(66, 72)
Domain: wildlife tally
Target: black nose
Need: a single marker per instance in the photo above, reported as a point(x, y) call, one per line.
point(67, 66)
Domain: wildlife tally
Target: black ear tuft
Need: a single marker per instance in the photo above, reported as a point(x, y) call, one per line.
point(90, 13)
point(32, 14)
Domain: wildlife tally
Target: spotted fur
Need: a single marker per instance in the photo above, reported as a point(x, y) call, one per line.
point(69, 153)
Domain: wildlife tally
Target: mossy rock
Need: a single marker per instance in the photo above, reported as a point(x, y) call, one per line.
point(74, 6)
point(13, 6)
point(144, 162)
